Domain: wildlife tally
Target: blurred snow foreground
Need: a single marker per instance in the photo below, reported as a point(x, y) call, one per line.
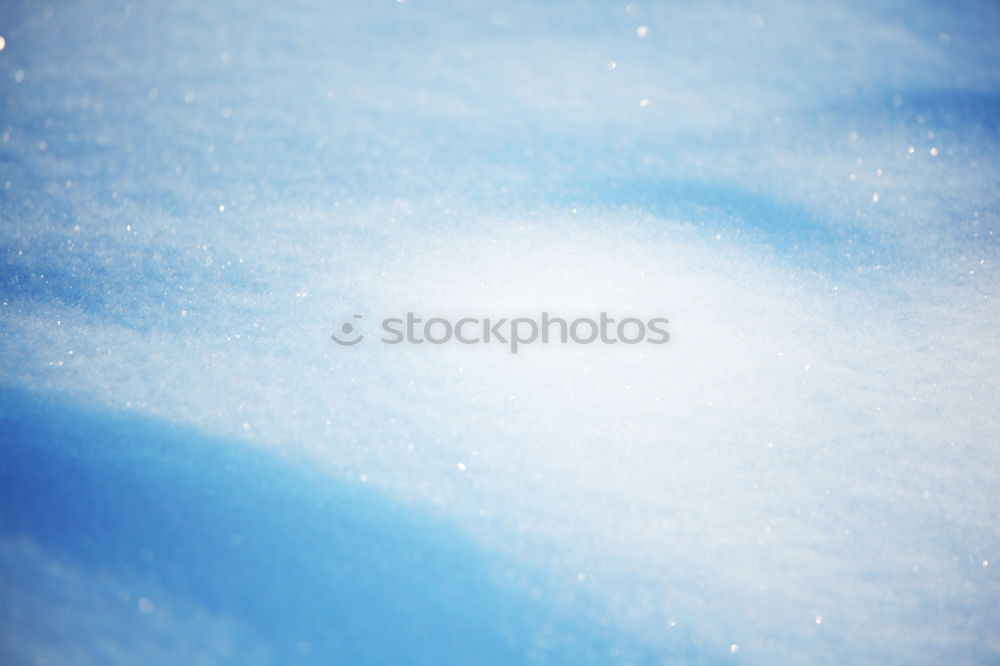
point(197, 195)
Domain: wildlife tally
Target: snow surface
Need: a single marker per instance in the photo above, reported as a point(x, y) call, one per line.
point(195, 195)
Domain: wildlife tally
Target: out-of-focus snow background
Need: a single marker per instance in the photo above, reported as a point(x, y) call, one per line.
point(195, 195)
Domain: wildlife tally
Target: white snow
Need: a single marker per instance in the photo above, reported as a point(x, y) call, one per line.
point(197, 196)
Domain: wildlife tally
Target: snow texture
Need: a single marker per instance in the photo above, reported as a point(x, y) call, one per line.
point(196, 195)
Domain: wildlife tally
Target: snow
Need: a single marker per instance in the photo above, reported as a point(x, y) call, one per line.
point(196, 196)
